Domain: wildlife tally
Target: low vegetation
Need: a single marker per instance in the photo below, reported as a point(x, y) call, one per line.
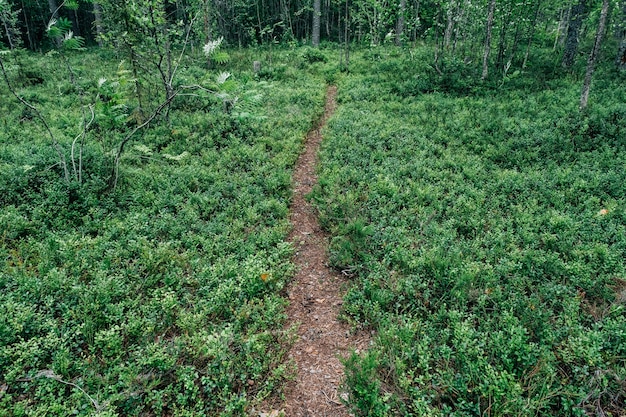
point(483, 224)
point(159, 296)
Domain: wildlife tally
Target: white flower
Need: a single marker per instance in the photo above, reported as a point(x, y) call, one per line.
point(212, 46)
point(221, 79)
point(51, 23)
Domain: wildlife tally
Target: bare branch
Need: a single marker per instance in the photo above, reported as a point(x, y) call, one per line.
point(49, 373)
point(180, 57)
point(82, 136)
point(120, 150)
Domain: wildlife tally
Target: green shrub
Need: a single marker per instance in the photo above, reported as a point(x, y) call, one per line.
point(484, 230)
point(163, 295)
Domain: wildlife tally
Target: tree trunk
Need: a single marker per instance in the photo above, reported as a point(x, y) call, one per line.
point(260, 25)
point(591, 63)
point(502, 45)
point(416, 22)
point(577, 12)
point(54, 14)
point(563, 19)
point(531, 34)
point(317, 14)
point(31, 45)
point(346, 35)
point(451, 15)
point(7, 29)
point(328, 19)
point(75, 22)
point(620, 26)
point(436, 25)
point(97, 14)
point(515, 45)
point(460, 21)
point(207, 22)
point(620, 59)
point(492, 8)
point(400, 22)
point(52, 5)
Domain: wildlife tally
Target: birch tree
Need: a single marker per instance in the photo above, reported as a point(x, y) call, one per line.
point(400, 22)
point(317, 14)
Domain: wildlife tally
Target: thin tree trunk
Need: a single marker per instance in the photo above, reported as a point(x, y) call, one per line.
point(502, 42)
point(620, 60)
point(417, 19)
point(327, 18)
point(400, 22)
point(258, 17)
point(573, 30)
point(565, 26)
point(559, 28)
point(52, 5)
point(447, 37)
point(515, 44)
point(31, 45)
point(288, 18)
point(459, 23)
point(340, 40)
point(97, 14)
point(347, 35)
point(54, 14)
point(208, 27)
point(620, 33)
point(75, 23)
point(7, 29)
point(436, 26)
point(620, 26)
point(591, 62)
point(532, 34)
point(492, 8)
point(317, 14)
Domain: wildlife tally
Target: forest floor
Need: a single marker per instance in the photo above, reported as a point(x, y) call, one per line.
point(315, 297)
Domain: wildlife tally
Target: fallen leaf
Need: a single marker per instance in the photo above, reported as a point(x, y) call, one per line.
point(273, 413)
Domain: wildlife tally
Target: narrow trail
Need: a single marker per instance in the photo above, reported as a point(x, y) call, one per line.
point(315, 297)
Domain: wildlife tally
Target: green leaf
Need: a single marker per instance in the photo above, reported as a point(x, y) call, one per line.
point(221, 57)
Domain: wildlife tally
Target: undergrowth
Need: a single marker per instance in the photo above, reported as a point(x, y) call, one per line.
point(161, 296)
point(484, 226)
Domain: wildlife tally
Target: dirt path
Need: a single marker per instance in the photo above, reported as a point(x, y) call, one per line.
point(315, 299)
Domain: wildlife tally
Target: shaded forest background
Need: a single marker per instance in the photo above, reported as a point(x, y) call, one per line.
point(499, 32)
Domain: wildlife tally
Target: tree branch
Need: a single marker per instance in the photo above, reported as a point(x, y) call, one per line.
point(120, 150)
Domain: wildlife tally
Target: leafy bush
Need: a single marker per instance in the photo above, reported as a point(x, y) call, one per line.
point(313, 55)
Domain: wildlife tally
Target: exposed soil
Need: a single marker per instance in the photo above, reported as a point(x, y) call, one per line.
point(315, 297)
